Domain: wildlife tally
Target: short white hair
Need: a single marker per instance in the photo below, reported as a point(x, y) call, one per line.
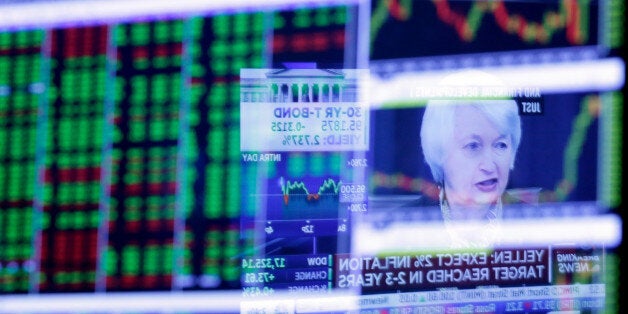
point(437, 126)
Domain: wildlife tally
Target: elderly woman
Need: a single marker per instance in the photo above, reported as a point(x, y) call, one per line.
point(470, 146)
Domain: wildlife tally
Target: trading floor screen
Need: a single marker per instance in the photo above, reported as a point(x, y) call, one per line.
point(350, 156)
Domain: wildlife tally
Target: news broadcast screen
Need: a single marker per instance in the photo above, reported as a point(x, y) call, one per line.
point(348, 156)
point(475, 197)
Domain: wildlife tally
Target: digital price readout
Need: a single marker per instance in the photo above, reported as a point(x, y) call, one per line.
point(293, 273)
point(303, 110)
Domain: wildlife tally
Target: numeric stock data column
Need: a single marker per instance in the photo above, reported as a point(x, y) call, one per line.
point(221, 46)
point(21, 95)
point(140, 251)
point(73, 159)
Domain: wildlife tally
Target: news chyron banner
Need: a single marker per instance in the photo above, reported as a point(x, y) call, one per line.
point(518, 280)
point(304, 138)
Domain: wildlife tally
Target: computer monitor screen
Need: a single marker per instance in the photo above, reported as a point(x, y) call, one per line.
point(349, 156)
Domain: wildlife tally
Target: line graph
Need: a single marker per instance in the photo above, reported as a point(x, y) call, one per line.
point(319, 201)
point(329, 187)
point(589, 111)
point(301, 186)
point(385, 8)
point(572, 16)
point(438, 27)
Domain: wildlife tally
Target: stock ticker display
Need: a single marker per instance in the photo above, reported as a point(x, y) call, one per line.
point(244, 151)
point(122, 170)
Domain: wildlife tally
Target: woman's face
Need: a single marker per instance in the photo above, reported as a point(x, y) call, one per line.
point(477, 160)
